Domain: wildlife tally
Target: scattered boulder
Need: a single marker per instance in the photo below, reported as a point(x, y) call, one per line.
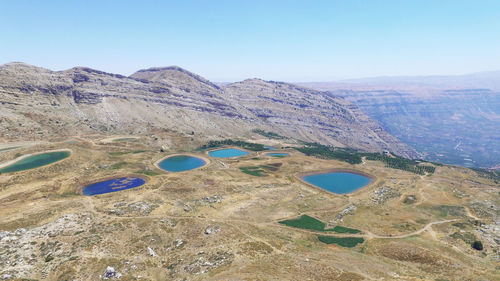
point(410, 199)
point(169, 222)
point(213, 199)
point(142, 208)
point(211, 230)
point(110, 272)
point(151, 252)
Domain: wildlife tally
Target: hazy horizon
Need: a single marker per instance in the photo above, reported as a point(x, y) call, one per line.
point(283, 40)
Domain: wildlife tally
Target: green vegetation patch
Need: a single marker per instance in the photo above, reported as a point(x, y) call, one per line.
point(262, 170)
point(254, 171)
point(147, 172)
point(348, 242)
point(462, 225)
point(119, 165)
point(118, 153)
point(269, 135)
point(419, 167)
point(343, 229)
point(478, 245)
point(488, 174)
point(126, 139)
point(239, 143)
point(467, 237)
point(330, 152)
point(307, 222)
point(445, 210)
point(353, 156)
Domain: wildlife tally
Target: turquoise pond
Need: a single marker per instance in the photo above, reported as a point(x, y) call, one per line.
point(338, 182)
point(35, 161)
point(181, 163)
point(270, 148)
point(227, 152)
point(278, 154)
point(113, 185)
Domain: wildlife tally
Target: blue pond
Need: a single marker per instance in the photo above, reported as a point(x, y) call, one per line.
point(278, 154)
point(227, 152)
point(112, 185)
point(181, 163)
point(269, 148)
point(340, 182)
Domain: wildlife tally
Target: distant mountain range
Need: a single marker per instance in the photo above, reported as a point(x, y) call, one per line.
point(38, 103)
point(453, 119)
point(480, 80)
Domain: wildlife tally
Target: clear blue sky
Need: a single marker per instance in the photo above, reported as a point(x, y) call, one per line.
point(275, 40)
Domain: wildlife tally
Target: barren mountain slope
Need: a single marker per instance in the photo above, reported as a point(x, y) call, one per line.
point(39, 104)
point(297, 112)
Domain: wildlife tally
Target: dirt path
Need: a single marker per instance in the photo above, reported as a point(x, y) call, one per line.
point(426, 227)
point(369, 235)
point(421, 194)
point(470, 214)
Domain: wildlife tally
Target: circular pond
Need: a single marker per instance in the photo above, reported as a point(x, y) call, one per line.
point(35, 161)
point(338, 182)
point(180, 163)
point(227, 152)
point(113, 185)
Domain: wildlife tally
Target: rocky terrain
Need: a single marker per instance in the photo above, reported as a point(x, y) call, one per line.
point(454, 120)
point(453, 126)
point(42, 104)
point(219, 223)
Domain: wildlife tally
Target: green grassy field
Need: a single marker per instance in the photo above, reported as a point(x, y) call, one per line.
point(307, 222)
point(343, 229)
point(126, 139)
point(254, 171)
point(348, 242)
point(262, 170)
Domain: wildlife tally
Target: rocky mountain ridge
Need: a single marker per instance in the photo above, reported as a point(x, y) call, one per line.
point(39, 103)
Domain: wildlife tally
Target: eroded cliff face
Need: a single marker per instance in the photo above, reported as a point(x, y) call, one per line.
point(38, 103)
point(456, 126)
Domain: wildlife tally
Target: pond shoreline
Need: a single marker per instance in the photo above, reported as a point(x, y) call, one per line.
point(81, 186)
point(13, 161)
point(300, 177)
point(206, 160)
point(249, 152)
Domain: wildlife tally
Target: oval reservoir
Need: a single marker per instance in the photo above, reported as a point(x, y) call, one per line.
point(338, 182)
point(35, 161)
point(227, 152)
point(113, 185)
point(180, 163)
